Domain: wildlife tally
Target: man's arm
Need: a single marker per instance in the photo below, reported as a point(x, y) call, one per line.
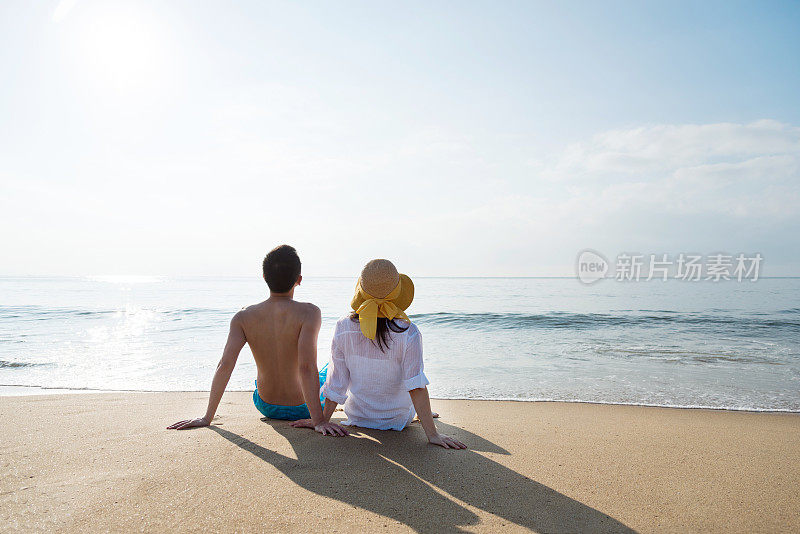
point(236, 340)
point(309, 374)
point(327, 413)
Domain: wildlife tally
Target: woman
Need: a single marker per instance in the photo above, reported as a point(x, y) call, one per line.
point(377, 359)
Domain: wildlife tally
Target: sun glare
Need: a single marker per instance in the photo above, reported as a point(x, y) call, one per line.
point(118, 46)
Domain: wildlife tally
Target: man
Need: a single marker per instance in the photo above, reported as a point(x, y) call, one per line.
point(282, 334)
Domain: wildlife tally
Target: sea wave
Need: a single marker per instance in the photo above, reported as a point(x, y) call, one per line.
point(573, 321)
point(40, 313)
point(786, 319)
point(4, 364)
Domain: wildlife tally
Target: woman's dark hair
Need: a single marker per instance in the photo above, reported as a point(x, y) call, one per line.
point(382, 331)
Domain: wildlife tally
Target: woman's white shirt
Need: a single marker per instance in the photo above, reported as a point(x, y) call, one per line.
point(371, 384)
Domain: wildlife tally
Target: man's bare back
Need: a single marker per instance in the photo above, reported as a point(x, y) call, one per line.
point(272, 329)
point(282, 334)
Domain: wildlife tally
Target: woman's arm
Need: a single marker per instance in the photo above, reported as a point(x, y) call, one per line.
point(415, 382)
point(222, 375)
point(422, 404)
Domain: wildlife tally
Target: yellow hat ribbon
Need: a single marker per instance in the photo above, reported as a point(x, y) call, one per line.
point(372, 308)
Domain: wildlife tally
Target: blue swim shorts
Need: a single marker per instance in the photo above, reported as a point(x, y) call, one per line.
point(289, 413)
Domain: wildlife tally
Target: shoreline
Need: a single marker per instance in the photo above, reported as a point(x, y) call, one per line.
point(106, 462)
point(7, 390)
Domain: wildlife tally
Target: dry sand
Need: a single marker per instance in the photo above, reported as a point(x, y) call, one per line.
point(106, 462)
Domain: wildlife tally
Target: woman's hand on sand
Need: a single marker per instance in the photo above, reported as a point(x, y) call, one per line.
point(189, 423)
point(446, 441)
point(325, 429)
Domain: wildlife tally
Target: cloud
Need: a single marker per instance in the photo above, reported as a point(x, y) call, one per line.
point(665, 188)
point(736, 170)
point(666, 148)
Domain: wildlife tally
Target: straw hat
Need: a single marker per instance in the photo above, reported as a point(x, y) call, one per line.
point(381, 292)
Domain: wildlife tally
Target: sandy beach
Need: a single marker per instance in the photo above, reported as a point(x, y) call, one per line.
point(106, 463)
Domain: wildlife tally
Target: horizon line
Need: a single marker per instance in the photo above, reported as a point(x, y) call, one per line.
point(243, 277)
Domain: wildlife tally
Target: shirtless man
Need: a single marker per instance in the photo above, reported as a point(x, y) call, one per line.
point(282, 334)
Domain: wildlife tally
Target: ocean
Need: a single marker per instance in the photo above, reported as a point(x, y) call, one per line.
point(728, 345)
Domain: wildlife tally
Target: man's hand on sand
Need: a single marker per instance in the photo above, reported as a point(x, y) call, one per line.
point(446, 441)
point(189, 423)
point(326, 429)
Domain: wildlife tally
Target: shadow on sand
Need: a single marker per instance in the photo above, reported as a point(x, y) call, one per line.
point(394, 474)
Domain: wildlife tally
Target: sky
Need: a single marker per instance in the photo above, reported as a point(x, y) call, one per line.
point(455, 138)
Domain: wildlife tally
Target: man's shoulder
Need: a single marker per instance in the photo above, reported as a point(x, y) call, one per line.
point(307, 307)
point(296, 312)
point(307, 311)
point(245, 312)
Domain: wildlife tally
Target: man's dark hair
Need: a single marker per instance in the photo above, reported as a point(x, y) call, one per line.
point(281, 268)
